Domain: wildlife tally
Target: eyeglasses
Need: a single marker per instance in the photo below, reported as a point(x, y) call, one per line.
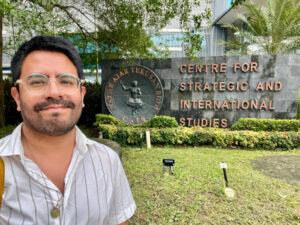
point(38, 84)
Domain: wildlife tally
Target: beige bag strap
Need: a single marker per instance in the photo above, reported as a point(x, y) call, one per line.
point(2, 173)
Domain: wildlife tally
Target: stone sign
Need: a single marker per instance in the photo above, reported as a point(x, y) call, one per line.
point(207, 92)
point(134, 94)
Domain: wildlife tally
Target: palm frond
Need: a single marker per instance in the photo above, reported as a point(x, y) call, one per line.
point(274, 29)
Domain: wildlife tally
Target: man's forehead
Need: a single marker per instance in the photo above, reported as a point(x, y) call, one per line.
point(43, 61)
point(45, 52)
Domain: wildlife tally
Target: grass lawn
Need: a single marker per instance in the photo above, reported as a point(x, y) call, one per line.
point(194, 194)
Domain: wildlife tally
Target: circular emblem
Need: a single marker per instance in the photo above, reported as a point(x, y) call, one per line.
point(134, 94)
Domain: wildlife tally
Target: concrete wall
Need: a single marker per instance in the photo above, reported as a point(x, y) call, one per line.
point(281, 103)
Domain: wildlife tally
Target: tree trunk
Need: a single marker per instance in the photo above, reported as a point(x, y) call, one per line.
point(2, 114)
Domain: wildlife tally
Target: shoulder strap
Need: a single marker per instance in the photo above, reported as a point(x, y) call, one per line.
point(2, 173)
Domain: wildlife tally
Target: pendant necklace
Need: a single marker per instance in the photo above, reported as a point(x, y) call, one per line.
point(55, 211)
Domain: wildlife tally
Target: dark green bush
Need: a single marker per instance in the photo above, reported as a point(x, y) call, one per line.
point(162, 122)
point(4, 131)
point(266, 125)
point(155, 122)
point(107, 119)
point(12, 116)
point(197, 136)
point(92, 102)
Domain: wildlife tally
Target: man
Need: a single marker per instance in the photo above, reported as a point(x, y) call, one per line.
point(53, 173)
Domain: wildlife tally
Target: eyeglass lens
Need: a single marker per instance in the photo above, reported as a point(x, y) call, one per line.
point(39, 83)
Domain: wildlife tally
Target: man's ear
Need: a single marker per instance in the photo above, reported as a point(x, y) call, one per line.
point(83, 91)
point(16, 95)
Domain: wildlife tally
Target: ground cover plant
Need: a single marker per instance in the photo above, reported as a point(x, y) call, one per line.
point(194, 193)
point(249, 133)
point(266, 124)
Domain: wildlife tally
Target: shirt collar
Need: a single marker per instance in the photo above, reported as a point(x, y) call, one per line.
point(12, 144)
point(81, 141)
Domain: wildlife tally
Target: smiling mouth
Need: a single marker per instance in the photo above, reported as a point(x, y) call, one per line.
point(54, 107)
point(54, 104)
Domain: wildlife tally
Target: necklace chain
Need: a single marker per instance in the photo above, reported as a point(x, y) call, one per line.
point(55, 211)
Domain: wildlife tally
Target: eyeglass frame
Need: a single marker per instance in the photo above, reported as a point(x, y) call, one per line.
point(79, 81)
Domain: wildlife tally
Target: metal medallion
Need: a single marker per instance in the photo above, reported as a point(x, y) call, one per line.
point(134, 94)
point(55, 212)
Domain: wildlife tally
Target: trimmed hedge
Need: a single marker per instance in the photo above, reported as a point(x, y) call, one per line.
point(107, 119)
point(196, 136)
point(161, 122)
point(266, 125)
point(155, 122)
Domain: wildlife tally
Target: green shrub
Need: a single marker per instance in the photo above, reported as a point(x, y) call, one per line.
point(161, 122)
point(4, 131)
point(266, 125)
point(12, 116)
point(107, 119)
point(201, 137)
point(197, 136)
point(92, 102)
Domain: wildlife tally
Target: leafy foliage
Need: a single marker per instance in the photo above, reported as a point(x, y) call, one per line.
point(266, 125)
point(155, 122)
point(197, 136)
point(12, 116)
point(103, 29)
point(107, 119)
point(237, 2)
point(274, 29)
point(92, 103)
point(7, 130)
point(161, 122)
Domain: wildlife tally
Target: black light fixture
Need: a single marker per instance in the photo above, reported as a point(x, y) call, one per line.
point(229, 192)
point(224, 166)
point(168, 163)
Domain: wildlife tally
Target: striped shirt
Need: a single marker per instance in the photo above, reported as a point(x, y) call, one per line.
point(96, 187)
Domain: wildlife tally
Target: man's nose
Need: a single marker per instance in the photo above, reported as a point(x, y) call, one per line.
point(53, 90)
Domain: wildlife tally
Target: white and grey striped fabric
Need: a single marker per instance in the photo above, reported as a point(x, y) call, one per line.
point(96, 187)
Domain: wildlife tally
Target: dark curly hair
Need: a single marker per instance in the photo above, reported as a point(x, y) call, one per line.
point(46, 43)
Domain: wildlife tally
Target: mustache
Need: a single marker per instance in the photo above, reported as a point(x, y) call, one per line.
point(42, 105)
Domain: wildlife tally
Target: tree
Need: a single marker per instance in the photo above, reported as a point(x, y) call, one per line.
point(100, 28)
point(2, 120)
point(273, 29)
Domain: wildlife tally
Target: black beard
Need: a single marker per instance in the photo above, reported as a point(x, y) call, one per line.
point(42, 105)
point(52, 126)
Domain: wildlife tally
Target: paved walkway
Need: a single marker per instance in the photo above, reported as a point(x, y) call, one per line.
point(286, 167)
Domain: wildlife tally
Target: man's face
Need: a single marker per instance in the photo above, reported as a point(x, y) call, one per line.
point(53, 113)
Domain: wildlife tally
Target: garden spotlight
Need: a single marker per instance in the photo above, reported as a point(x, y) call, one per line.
point(168, 163)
